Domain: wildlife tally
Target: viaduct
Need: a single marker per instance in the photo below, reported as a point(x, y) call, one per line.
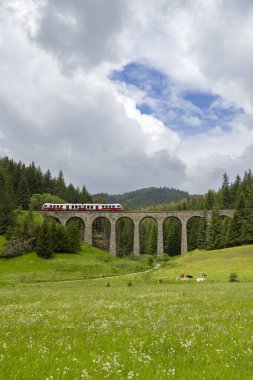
point(88, 218)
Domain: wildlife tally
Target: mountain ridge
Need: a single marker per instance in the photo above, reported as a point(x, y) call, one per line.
point(144, 197)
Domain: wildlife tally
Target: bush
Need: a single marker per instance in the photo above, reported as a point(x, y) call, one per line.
point(233, 277)
point(150, 260)
point(165, 257)
point(17, 247)
point(129, 283)
point(134, 256)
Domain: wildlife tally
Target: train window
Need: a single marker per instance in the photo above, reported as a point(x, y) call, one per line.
point(91, 207)
point(88, 206)
point(50, 206)
point(73, 206)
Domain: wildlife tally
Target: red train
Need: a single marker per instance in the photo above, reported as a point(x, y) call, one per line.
point(81, 207)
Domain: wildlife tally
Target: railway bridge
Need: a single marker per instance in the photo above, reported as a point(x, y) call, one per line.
point(88, 218)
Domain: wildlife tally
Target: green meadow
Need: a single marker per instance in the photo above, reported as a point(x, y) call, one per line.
point(56, 323)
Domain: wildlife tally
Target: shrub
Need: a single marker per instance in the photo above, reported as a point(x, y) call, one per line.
point(150, 260)
point(165, 257)
point(17, 247)
point(134, 256)
point(129, 283)
point(233, 277)
point(108, 284)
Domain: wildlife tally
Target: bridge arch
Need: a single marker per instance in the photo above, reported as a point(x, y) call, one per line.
point(124, 235)
point(101, 232)
point(196, 227)
point(148, 235)
point(53, 219)
point(79, 222)
point(172, 231)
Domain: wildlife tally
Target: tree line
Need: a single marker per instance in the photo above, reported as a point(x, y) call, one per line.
point(27, 186)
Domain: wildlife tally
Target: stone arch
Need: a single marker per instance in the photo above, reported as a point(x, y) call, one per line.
point(53, 218)
point(196, 227)
point(80, 223)
point(124, 236)
point(148, 235)
point(172, 232)
point(101, 232)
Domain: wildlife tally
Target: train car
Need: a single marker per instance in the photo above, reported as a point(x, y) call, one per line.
point(81, 207)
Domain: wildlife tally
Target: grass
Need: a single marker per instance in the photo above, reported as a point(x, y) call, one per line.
point(218, 265)
point(90, 263)
point(88, 330)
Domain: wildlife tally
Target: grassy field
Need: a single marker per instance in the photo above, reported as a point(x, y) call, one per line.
point(86, 330)
point(102, 328)
point(89, 263)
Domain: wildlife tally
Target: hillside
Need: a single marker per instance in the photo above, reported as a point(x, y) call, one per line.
point(92, 263)
point(89, 263)
point(144, 197)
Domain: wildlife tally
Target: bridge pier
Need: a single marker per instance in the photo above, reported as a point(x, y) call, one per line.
point(184, 247)
point(136, 249)
point(160, 238)
point(88, 232)
point(113, 239)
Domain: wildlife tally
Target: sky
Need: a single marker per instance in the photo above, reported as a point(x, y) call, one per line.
point(123, 95)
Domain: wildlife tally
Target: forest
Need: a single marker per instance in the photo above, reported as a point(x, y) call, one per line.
point(26, 187)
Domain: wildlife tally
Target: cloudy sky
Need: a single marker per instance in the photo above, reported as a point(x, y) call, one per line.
point(122, 95)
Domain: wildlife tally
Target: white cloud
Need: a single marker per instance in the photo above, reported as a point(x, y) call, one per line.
point(58, 107)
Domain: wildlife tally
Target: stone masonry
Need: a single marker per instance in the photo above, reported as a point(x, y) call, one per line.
point(89, 217)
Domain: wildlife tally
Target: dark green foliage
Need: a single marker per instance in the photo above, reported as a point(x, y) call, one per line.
point(25, 181)
point(196, 232)
point(233, 277)
point(148, 236)
point(226, 193)
point(150, 260)
point(129, 283)
point(73, 238)
point(145, 197)
point(37, 200)
point(54, 238)
point(101, 232)
point(124, 236)
point(7, 202)
point(44, 242)
point(172, 236)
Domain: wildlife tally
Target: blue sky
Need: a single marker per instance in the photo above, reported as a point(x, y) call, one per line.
point(186, 110)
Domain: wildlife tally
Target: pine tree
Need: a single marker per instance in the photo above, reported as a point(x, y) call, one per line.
point(60, 187)
point(214, 239)
point(23, 193)
point(44, 241)
point(225, 192)
point(74, 238)
point(238, 221)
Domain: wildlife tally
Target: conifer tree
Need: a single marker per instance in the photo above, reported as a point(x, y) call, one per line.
point(44, 242)
point(225, 192)
point(214, 231)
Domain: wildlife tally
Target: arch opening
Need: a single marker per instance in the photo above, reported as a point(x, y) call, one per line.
point(124, 236)
point(101, 233)
point(148, 236)
point(196, 233)
point(53, 219)
point(172, 231)
point(79, 223)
